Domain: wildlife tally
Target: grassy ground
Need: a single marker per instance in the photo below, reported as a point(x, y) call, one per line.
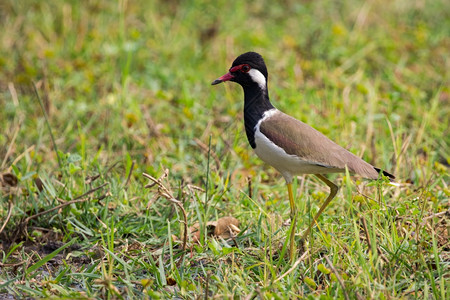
point(94, 93)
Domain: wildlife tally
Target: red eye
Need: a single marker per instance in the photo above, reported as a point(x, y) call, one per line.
point(245, 68)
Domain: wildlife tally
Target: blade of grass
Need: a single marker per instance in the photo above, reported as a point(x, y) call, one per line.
point(49, 257)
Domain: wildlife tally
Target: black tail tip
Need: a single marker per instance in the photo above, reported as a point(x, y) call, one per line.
point(392, 177)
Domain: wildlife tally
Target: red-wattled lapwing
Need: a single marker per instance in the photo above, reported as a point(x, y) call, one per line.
point(287, 144)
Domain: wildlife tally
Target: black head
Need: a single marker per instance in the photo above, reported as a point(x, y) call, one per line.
point(247, 69)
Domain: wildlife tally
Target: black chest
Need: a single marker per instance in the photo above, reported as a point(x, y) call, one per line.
point(256, 103)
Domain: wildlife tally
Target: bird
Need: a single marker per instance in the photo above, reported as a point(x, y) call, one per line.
point(287, 144)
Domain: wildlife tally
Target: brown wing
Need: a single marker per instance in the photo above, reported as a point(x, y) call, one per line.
point(301, 140)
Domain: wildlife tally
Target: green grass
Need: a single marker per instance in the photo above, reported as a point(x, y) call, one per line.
point(125, 87)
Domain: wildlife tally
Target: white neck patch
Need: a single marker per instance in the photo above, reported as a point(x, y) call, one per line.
point(258, 77)
point(269, 113)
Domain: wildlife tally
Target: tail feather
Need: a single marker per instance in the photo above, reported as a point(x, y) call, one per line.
point(391, 177)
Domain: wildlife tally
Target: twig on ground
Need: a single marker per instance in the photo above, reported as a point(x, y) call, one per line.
point(11, 265)
point(338, 277)
point(91, 179)
point(435, 215)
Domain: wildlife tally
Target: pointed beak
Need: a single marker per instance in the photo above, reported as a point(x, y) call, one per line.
point(223, 78)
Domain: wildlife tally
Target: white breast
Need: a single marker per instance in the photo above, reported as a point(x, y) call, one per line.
point(288, 165)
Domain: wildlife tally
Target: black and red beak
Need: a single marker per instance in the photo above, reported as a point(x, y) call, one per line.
point(223, 78)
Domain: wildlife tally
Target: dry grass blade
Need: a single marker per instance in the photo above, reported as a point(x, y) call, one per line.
point(293, 266)
point(435, 215)
point(155, 181)
point(55, 148)
point(195, 188)
point(129, 174)
point(338, 277)
point(11, 205)
point(76, 200)
point(166, 193)
point(366, 232)
point(11, 145)
point(12, 265)
point(206, 149)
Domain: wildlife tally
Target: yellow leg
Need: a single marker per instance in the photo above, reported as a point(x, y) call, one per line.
point(293, 223)
point(333, 191)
